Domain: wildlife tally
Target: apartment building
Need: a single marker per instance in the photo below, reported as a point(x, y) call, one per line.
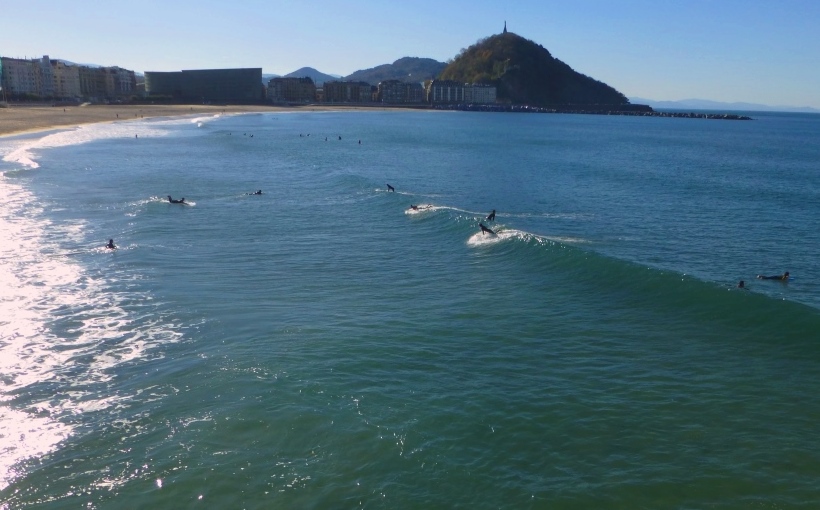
point(453, 92)
point(56, 79)
point(292, 90)
point(399, 92)
point(347, 92)
point(479, 93)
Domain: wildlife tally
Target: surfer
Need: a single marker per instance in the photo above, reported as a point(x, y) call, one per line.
point(111, 245)
point(491, 217)
point(390, 188)
point(180, 201)
point(783, 277)
point(257, 192)
point(414, 207)
point(484, 230)
point(741, 284)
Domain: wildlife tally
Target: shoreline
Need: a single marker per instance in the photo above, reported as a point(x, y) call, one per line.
point(25, 119)
point(20, 120)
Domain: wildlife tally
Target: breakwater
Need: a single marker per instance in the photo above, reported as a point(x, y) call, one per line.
point(631, 110)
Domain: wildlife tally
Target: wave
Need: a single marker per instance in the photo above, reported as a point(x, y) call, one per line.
point(63, 331)
point(572, 262)
point(24, 151)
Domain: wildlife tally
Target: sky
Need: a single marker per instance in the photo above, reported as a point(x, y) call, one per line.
point(756, 51)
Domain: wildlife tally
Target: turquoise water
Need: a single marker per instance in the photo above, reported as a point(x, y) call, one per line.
point(322, 346)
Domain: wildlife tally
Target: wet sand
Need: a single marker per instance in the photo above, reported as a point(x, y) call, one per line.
point(21, 119)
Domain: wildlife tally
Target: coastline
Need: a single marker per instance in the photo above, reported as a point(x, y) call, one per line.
point(18, 120)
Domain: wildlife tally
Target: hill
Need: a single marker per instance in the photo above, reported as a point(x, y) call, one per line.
point(308, 72)
point(526, 73)
point(404, 69)
point(267, 77)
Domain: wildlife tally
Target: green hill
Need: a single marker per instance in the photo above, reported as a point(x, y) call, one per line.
point(526, 73)
point(404, 69)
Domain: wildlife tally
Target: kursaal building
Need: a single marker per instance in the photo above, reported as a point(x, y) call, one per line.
point(207, 85)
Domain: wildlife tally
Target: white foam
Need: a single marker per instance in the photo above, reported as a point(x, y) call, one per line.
point(503, 234)
point(59, 324)
point(422, 208)
point(24, 151)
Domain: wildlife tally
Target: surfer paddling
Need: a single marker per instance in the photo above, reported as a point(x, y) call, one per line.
point(485, 230)
point(180, 201)
point(257, 192)
point(783, 277)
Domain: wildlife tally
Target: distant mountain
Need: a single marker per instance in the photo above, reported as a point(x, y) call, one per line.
point(705, 104)
point(267, 77)
point(526, 73)
point(308, 72)
point(409, 69)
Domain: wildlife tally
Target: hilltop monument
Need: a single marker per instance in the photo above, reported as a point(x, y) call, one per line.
point(526, 73)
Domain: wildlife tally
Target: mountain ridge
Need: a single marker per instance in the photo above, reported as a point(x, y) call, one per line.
point(404, 69)
point(318, 77)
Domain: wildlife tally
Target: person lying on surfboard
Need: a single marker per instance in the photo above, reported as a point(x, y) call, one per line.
point(180, 201)
point(784, 277)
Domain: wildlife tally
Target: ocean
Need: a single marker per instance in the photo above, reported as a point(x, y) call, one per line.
point(323, 345)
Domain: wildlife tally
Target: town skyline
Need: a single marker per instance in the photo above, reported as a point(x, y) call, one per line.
point(729, 51)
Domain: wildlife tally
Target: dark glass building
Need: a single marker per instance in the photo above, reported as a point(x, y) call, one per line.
point(207, 85)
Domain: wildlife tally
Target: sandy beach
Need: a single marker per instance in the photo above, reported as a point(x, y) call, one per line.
point(21, 119)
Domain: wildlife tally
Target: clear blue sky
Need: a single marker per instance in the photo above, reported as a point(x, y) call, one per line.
point(760, 51)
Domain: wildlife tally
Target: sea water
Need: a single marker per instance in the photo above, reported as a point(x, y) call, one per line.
point(322, 345)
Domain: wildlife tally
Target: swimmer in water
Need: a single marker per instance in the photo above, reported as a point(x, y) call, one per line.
point(782, 277)
point(741, 284)
point(111, 245)
point(485, 230)
point(491, 217)
point(180, 201)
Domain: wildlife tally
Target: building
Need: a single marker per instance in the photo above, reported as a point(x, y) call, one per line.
point(207, 85)
point(445, 92)
point(347, 92)
point(65, 80)
point(21, 77)
point(479, 93)
point(291, 90)
point(57, 79)
point(399, 92)
point(453, 92)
